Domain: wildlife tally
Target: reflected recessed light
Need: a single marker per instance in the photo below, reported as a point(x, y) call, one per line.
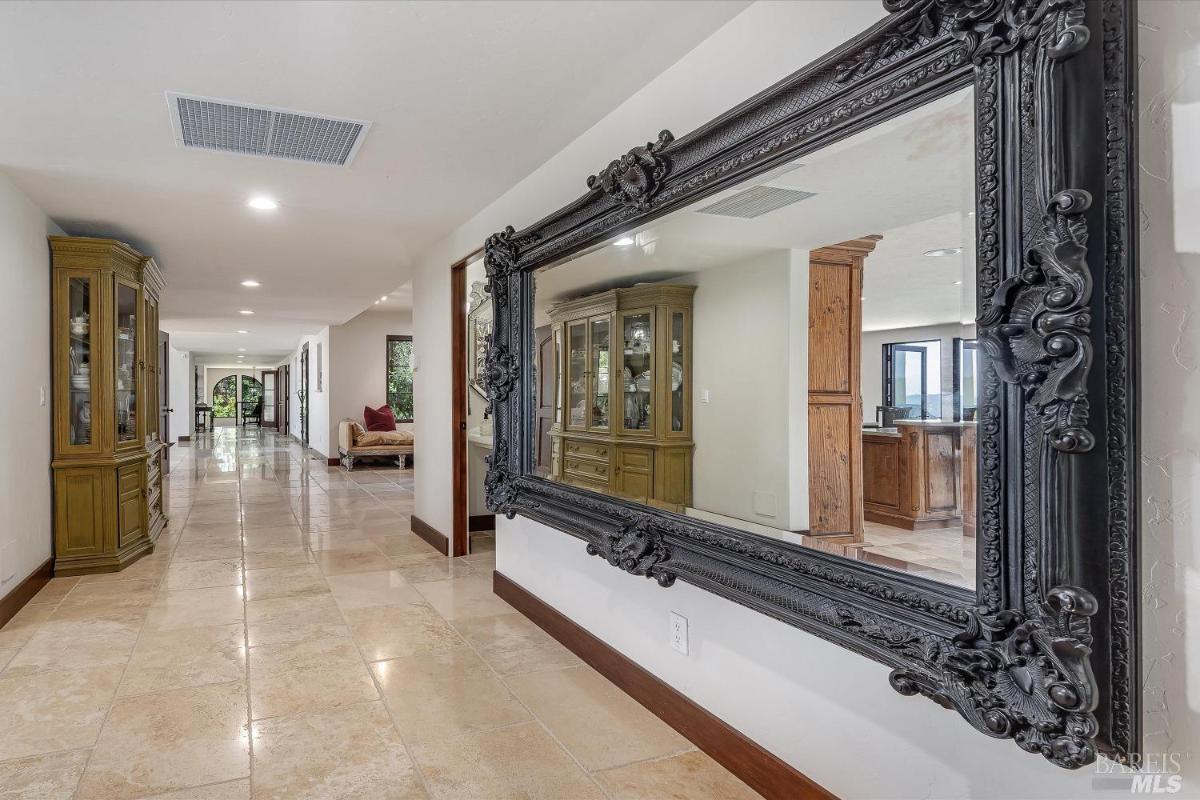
point(382, 299)
point(246, 311)
point(251, 284)
point(625, 241)
point(958, 283)
point(943, 251)
point(263, 203)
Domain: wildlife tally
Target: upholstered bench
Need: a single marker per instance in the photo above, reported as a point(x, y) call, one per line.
point(356, 442)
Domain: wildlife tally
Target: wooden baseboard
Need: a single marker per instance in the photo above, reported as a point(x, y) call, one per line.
point(184, 438)
point(481, 522)
point(762, 771)
point(24, 591)
point(333, 462)
point(430, 534)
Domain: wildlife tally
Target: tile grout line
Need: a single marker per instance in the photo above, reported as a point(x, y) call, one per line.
point(525, 706)
point(382, 697)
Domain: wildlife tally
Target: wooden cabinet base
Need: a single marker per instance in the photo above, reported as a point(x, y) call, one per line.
point(89, 565)
point(908, 523)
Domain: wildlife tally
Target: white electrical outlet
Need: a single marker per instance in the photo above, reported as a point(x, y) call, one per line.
point(679, 633)
point(42, 396)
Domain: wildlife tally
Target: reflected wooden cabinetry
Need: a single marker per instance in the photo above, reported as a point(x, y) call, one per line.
point(835, 388)
point(912, 477)
point(109, 506)
point(623, 421)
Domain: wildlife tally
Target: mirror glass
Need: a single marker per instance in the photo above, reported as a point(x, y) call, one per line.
point(793, 357)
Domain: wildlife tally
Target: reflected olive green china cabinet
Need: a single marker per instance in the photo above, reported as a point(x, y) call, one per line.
point(624, 426)
point(109, 506)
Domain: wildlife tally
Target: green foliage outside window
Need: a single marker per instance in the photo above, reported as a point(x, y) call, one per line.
point(225, 397)
point(252, 389)
point(400, 377)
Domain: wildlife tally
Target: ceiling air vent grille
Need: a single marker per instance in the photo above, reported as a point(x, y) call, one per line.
point(756, 201)
point(263, 131)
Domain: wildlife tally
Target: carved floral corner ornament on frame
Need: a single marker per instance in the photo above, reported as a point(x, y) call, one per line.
point(1046, 651)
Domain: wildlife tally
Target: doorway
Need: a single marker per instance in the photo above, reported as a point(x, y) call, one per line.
point(270, 395)
point(470, 320)
point(164, 399)
point(282, 406)
point(303, 394)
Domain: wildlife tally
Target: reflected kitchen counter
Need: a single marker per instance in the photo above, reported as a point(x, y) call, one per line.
point(916, 477)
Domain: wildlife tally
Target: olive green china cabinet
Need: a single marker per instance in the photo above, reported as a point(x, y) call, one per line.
point(625, 428)
point(109, 506)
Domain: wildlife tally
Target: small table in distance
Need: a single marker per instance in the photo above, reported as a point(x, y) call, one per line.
point(203, 416)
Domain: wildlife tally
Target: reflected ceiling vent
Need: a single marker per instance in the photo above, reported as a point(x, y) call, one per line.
point(756, 201)
point(264, 131)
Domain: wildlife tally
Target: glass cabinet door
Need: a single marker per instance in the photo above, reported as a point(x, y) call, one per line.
point(81, 337)
point(126, 362)
point(576, 374)
point(637, 373)
point(601, 349)
point(153, 380)
point(558, 369)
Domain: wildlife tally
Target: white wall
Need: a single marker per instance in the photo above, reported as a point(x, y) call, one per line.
point(25, 451)
point(872, 361)
point(823, 709)
point(181, 393)
point(318, 402)
point(357, 364)
point(741, 351)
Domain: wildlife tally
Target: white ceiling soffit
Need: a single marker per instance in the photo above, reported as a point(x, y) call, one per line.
point(252, 130)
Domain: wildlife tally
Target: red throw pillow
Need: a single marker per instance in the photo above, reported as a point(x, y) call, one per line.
point(379, 419)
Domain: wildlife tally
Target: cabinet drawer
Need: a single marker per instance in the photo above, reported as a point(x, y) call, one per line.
point(586, 483)
point(591, 470)
point(587, 449)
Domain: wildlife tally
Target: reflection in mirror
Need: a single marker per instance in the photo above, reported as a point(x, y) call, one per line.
point(793, 357)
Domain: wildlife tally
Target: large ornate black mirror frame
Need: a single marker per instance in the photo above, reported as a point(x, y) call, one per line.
point(1046, 651)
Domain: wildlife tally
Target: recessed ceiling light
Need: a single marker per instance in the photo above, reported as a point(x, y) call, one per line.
point(376, 302)
point(246, 311)
point(241, 349)
point(263, 203)
point(625, 241)
point(943, 251)
point(958, 283)
point(251, 284)
point(243, 331)
point(383, 299)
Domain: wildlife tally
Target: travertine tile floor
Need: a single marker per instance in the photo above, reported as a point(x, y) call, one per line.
point(291, 638)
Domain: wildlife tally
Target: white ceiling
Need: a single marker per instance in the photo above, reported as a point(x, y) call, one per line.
point(465, 98)
point(910, 179)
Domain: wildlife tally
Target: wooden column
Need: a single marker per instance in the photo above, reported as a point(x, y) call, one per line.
point(835, 476)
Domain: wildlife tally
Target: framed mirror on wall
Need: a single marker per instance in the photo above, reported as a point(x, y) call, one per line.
point(859, 354)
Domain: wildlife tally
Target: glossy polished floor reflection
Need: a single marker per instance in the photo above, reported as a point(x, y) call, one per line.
point(290, 638)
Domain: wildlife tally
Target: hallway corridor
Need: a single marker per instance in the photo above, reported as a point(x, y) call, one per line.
point(289, 637)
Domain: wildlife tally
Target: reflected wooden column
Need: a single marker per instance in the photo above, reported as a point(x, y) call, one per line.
point(835, 476)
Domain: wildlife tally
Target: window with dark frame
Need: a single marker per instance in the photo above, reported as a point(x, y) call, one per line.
point(912, 378)
point(400, 377)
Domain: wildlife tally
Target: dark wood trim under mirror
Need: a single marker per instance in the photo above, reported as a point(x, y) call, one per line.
point(1040, 645)
point(763, 771)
